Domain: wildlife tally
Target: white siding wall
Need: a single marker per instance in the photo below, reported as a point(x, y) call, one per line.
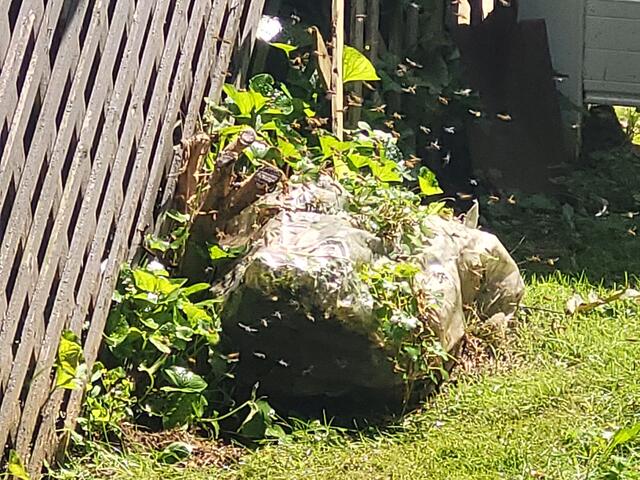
point(612, 52)
point(565, 26)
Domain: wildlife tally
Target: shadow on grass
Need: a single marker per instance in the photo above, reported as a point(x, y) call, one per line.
point(593, 228)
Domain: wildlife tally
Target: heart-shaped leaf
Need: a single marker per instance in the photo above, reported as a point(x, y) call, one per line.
point(184, 380)
point(357, 67)
point(428, 182)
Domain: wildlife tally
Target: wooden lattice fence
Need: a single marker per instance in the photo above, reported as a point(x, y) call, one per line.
point(94, 94)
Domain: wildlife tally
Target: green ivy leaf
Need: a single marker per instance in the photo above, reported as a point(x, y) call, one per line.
point(150, 323)
point(260, 422)
point(285, 47)
point(386, 171)
point(341, 168)
point(158, 244)
point(428, 182)
point(184, 333)
point(194, 314)
point(117, 328)
point(330, 145)
point(357, 67)
point(245, 101)
point(218, 253)
point(283, 105)
point(70, 366)
point(160, 342)
point(166, 286)
point(195, 288)
point(15, 467)
point(181, 408)
point(184, 380)
point(145, 281)
point(181, 218)
point(358, 160)
point(175, 452)
point(288, 149)
point(263, 84)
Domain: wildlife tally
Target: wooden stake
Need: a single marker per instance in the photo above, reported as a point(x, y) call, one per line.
point(373, 29)
point(358, 17)
point(337, 87)
point(396, 37)
point(412, 27)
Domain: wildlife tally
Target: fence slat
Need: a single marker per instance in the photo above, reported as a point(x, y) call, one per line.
point(205, 66)
point(247, 40)
point(165, 146)
point(64, 303)
point(9, 413)
point(89, 102)
point(5, 37)
point(13, 80)
point(219, 70)
point(20, 221)
point(139, 177)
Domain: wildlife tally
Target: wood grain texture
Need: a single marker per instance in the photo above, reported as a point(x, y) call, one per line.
point(90, 100)
point(337, 86)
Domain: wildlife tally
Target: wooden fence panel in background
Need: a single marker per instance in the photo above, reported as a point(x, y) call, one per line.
point(93, 96)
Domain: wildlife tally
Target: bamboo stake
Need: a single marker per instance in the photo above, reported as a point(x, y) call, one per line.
point(373, 29)
point(337, 87)
point(396, 37)
point(358, 16)
point(412, 27)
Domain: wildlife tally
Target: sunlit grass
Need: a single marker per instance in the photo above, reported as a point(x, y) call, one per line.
point(629, 118)
point(546, 413)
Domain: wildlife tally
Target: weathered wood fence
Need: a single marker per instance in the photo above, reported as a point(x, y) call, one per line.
point(93, 96)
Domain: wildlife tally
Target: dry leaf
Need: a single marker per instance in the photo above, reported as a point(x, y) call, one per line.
point(576, 304)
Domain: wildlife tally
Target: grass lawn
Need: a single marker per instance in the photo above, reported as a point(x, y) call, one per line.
point(545, 411)
point(546, 408)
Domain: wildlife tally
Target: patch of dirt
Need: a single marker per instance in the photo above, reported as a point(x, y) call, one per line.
point(205, 453)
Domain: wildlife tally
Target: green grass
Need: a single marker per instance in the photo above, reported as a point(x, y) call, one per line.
point(562, 386)
point(541, 413)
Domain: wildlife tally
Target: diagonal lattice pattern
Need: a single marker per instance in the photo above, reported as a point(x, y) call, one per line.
point(93, 96)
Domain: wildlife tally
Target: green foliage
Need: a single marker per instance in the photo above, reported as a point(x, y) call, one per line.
point(403, 312)
point(109, 402)
point(70, 366)
point(261, 422)
point(15, 468)
point(428, 182)
point(156, 329)
point(371, 167)
point(164, 365)
point(175, 452)
point(161, 366)
point(292, 140)
point(423, 81)
point(262, 102)
point(629, 118)
point(170, 247)
point(392, 213)
point(285, 47)
point(357, 67)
